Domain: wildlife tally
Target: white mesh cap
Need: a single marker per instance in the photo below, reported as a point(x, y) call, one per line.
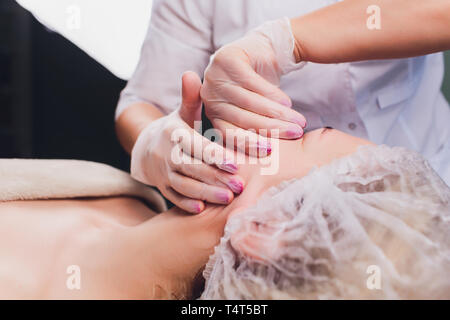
point(373, 225)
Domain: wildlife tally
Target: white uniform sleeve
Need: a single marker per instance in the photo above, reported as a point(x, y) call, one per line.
point(179, 39)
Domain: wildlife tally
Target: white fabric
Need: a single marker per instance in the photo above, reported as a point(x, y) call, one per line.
point(393, 102)
point(110, 31)
point(274, 41)
point(67, 179)
point(283, 42)
point(320, 237)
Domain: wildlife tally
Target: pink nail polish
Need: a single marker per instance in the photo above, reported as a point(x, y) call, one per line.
point(300, 121)
point(223, 197)
point(229, 167)
point(198, 208)
point(294, 132)
point(236, 186)
point(264, 146)
point(287, 103)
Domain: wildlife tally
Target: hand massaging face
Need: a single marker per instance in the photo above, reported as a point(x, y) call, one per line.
point(123, 250)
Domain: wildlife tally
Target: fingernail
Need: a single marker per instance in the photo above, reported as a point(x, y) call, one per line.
point(224, 197)
point(198, 207)
point(236, 186)
point(286, 103)
point(300, 121)
point(294, 132)
point(264, 146)
point(229, 167)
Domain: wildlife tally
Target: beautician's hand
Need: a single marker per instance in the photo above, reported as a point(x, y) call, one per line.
point(186, 167)
point(240, 88)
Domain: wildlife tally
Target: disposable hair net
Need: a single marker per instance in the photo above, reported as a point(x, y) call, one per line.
point(373, 225)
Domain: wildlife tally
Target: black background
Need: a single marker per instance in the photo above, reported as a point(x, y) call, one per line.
point(74, 100)
point(69, 98)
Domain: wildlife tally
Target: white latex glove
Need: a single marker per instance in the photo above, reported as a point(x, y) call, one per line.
point(240, 88)
point(162, 157)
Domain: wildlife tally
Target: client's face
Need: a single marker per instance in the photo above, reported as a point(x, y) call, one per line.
point(294, 159)
point(378, 219)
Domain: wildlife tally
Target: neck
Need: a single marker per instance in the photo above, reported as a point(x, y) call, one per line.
point(177, 247)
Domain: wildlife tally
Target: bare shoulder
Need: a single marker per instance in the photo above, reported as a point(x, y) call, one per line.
point(120, 210)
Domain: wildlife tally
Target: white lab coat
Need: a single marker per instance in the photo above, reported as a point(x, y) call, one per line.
point(394, 102)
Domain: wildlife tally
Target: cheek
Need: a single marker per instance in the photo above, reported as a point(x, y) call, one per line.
point(330, 149)
point(293, 168)
point(341, 144)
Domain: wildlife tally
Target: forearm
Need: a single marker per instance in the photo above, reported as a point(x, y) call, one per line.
point(339, 33)
point(133, 120)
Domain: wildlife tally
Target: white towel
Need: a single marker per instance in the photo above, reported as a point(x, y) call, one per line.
point(67, 179)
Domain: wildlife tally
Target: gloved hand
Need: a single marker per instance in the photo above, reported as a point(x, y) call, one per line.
point(240, 89)
point(170, 155)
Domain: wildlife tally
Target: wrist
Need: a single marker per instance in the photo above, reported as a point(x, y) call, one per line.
point(298, 51)
point(133, 121)
point(299, 48)
point(284, 44)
